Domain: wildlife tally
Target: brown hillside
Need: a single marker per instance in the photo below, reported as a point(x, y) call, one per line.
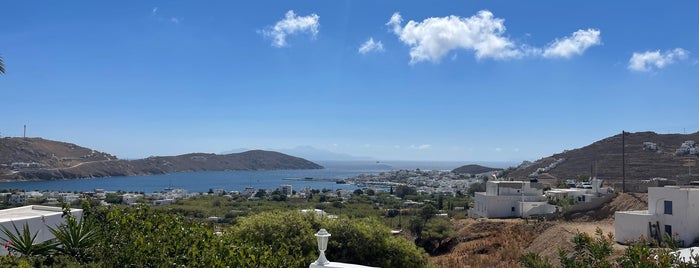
point(500, 242)
point(490, 242)
point(604, 157)
point(473, 169)
point(52, 153)
point(59, 160)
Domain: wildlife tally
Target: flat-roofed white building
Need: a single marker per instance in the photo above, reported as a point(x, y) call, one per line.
point(38, 218)
point(508, 199)
point(671, 209)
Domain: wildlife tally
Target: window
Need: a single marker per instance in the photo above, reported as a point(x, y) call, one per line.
point(668, 230)
point(668, 207)
point(513, 209)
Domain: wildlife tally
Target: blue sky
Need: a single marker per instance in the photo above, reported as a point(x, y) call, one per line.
point(393, 80)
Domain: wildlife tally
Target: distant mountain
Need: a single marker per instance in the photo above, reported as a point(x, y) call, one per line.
point(313, 154)
point(40, 159)
point(474, 169)
point(603, 158)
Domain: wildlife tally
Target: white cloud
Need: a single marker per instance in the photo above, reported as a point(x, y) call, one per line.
point(498, 149)
point(370, 46)
point(647, 61)
point(573, 45)
point(155, 14)
point(292, 24)
point(433, 38)
point(421, 147)
point(395, 21)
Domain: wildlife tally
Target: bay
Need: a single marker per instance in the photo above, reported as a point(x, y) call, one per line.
point(231, 180)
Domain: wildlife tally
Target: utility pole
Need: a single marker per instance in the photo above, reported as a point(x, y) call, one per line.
point(25, 132)
point(623, 161)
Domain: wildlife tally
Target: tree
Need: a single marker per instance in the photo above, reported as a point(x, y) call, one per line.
point(261, 193)
point(427, 212)
point(364, 241)
point(402, 191)
point(440, 202)
point(435, 233)
point(476, 187)
point(114, 198)
point(358, 192)
point(416, 226)
point(277, 195)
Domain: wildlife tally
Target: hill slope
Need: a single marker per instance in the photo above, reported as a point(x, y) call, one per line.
point(604, 159)
point(59, 160)
point(473, 169)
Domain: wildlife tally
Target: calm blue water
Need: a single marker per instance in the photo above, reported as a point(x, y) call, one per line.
point(230, 180)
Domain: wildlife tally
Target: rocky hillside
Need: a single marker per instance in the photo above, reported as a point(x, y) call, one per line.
point(40, 159)
point(474, 169)
point(657, 158)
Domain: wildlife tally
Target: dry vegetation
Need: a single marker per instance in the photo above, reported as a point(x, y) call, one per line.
point(500, 242)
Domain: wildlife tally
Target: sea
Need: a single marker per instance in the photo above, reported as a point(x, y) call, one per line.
point(235, 180)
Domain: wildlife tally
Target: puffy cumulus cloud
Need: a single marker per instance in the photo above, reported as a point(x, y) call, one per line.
point(573, 45)
point(484, 34)
point(292, 24)
point(370, 46)
point(647, 61)
point(433, 38)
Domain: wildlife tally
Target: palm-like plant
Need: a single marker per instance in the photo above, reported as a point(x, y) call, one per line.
point(25, 243)
point(75, 238)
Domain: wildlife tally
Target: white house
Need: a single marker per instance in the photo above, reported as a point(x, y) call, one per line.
point(507, 199)
point(579, 195)
point(38, 218)
point(17, 199)
point(671, 209)
point(286, 189)
point(131, 199)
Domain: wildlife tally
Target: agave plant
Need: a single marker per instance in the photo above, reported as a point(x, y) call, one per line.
point(25, 243)
point(75, 238)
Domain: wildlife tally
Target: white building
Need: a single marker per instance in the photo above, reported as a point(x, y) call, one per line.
point(579, 195)
point(17, 199)
point(38, 218)
point(130, 199)
point(286, 189)
point(69, 197)
point(507, 199)
point(671, 209)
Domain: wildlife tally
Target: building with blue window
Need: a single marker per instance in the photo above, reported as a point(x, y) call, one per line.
point(672, 210)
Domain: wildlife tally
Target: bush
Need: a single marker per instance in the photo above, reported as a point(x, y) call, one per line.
point(595, 251)
point(364, 241)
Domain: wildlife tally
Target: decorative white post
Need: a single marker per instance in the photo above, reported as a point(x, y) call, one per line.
point(322, 237)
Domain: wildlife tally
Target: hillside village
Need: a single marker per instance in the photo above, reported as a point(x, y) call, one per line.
point(492, 206)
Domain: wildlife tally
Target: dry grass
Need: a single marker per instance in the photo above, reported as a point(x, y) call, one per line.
point(490, 243)
point(500, 242)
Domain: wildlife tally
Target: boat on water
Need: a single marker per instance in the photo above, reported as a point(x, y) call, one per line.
point(340, 182)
